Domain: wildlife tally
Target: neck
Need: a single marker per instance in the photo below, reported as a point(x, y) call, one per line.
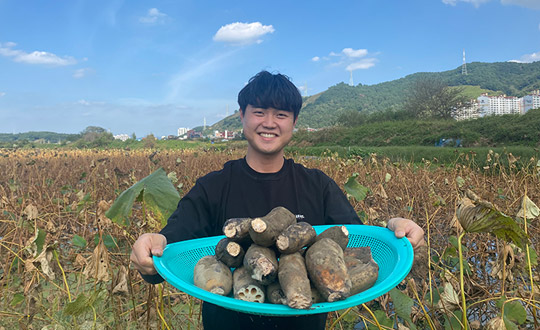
point(265, 163)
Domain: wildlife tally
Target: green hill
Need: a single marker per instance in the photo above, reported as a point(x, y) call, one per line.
point(43, 137)
point(323, 109)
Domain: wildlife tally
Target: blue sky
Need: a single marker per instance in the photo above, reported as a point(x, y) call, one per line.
point(153, 66)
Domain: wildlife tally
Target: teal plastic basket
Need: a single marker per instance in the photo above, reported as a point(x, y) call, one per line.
point(393, 255)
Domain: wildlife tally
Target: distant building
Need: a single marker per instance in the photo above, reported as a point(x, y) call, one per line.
point(486, 105)
point(470, 112)
point(499, 105)
point(122, 137)
point(227, 135)
point(182, 131)
point(531, 101)
point(191, 134)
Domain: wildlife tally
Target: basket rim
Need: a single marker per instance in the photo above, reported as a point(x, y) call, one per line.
point(401, 246)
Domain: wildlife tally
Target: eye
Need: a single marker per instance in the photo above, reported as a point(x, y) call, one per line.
point(283, 115)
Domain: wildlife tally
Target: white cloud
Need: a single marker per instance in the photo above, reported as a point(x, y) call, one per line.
point(242, 33)
point(532, 4)
point(153, 16)
point(35, 57)
point(316, 59)
point(83, 102)
point(350, 58)
point(362, 65)
point(475, 3)
point(2, 94)
point(528, 58)
point(81, 73)
point(349, 52)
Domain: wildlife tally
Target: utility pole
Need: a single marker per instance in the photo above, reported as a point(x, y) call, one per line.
point(464, 65)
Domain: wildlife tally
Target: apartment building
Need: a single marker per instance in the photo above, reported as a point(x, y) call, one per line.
point(182, 131)
point(486, 105)
point(531, 101)
point(471, 112)
point(498, 105)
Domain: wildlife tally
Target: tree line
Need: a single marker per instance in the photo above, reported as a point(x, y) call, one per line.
point(397, 128)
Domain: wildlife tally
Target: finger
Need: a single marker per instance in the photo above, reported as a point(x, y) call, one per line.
point(416, 236)
point(143, 249)
point(416, 240)
point(404, 227)
point(144, 264)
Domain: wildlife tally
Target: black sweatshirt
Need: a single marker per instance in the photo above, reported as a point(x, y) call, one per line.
point(237, 191)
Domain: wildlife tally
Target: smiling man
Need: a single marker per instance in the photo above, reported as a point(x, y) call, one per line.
point(252, 186)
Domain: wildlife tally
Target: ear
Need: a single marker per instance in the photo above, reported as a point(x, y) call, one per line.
point(241, 115)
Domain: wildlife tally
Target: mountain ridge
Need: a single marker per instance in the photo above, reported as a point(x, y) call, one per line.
point(323, 109)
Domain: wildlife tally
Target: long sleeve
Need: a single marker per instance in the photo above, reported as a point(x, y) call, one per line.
point(337, 208)
point(191, 219)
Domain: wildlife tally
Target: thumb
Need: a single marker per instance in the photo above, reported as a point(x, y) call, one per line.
point(397, 225)
point(158, 243)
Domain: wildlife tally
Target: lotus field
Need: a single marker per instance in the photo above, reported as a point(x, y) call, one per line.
point(65, 242)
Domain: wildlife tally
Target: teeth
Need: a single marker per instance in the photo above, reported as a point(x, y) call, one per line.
point(267, 135)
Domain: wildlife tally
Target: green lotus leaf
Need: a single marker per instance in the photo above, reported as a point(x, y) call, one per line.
point(156, 191)
point(355, 189)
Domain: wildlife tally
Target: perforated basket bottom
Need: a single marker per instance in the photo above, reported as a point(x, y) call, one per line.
point(394, 257)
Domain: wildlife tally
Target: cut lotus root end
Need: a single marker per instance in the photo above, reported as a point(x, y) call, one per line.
point(299, 302)
point(230, 230)
point(258, 225)
point(218, 291)
point(233, 249)
point(251, 293)
point(282, 242)
point(265, 268)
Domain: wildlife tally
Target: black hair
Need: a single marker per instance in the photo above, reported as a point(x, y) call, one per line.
point(265, 90)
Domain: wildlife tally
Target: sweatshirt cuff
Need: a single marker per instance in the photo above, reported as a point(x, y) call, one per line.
point(152, 279)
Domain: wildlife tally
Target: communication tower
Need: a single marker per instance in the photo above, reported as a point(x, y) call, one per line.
point(351, 82)
point(464, 65)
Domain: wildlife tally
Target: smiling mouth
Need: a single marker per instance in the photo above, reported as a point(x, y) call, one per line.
point(267, 135)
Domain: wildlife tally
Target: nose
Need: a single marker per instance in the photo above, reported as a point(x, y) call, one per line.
point(269, 121)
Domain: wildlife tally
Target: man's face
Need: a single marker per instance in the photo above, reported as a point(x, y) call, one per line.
point(267, 130)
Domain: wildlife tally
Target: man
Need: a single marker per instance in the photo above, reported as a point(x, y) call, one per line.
point(251, 187)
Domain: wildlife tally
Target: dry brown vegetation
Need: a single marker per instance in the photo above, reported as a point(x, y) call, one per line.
point(76, 281)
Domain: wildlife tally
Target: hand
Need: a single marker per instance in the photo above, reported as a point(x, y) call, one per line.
point(405, 227)
point(143, 249)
